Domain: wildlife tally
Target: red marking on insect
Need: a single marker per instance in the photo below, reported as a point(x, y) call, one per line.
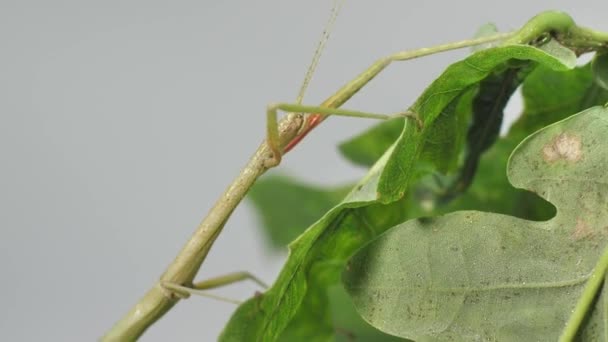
point(313, 121)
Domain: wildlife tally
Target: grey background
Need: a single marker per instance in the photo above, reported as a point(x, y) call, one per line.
point(123, 121)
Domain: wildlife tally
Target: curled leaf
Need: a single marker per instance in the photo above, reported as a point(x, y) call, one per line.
point(599, 65)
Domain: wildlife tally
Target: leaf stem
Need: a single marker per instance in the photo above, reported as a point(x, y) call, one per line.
point(586, 300)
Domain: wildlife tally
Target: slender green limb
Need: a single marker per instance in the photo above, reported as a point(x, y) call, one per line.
point(273, 131)
point(586, 300)
point(272, 109)
point(352, 87)
point(228, 279)
point(185, 292)
point(199, 287)
point(407, 55)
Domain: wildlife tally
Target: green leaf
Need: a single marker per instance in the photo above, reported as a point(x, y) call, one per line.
point(375, 204)
point(331, 316)
point(562, 93)
point(481, 276)
point(456, 80)
point(348, 322)
point(549, 96)
point(488, 111)
point(287, 207)
point(368, 147)
point(491, 86)
point(564, 54)
point(600, 69)
point(488, 106)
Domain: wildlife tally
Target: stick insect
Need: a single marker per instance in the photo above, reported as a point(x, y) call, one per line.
point(315, 115)
point(177, 282)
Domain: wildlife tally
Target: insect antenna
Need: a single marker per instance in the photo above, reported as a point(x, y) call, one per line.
point(337, 6)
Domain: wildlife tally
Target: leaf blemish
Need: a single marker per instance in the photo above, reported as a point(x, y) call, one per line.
point(581, 230)
point(564, 146)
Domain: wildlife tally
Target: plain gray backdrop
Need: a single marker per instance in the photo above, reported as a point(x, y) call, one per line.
point(123, 121)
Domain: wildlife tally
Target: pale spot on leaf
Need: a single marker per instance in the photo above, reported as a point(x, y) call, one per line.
point(581, 230)
point(563, 146)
